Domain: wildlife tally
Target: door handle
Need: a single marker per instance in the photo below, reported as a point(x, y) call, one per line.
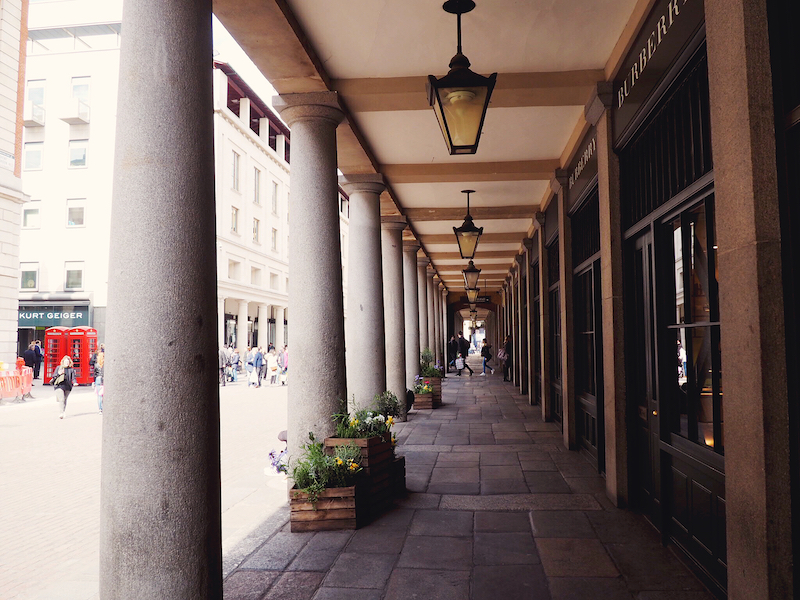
point(655, 413)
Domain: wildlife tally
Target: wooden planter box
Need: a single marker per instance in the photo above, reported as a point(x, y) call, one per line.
point(398, 476)
point(436, 383)
point(335, 509)
point(377, 456)
point(423, 401)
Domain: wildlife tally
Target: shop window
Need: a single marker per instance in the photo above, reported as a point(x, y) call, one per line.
point(77, 153)
point(73, 276)
point(696, 410)
point(29, 277)
point(33, 156)
point(76, 212)
point(31, 219)
point(554, 299)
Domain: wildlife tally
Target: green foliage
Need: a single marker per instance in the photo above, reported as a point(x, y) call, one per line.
point(426, 369)
point(422, 385)
point(362, 424)
point(425, 357)
point(314, 471)
point(387, 404)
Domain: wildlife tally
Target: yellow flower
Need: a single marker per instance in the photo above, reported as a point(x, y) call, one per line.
point(339, 461)
point(353, 466)
point(390, 421)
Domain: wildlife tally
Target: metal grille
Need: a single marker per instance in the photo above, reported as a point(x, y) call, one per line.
point(586, 229)
point(673, 149)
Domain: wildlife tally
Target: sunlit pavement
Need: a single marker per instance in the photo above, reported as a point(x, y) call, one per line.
point(50, 487)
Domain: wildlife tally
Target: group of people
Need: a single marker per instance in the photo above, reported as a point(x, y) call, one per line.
point(33, 357)
point(256, 364)
point(458, 350)
point(64, 378)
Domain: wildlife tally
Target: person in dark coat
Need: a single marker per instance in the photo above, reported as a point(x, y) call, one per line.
point(63, 381)
point(30, 356)
point(37, 367)
point(507, 363)
point(452, 352)
point(463, 348)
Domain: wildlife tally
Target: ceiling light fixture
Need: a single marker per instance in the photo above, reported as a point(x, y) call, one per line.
point(461, 97)
point(468, 235)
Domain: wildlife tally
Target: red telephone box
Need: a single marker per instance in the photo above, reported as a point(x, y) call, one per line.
point(55, 348)
point(79, 343)
point(82, 344)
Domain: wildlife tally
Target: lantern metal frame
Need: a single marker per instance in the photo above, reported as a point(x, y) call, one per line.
point(471, 275)
point(467, 233)
point(451, 95)
point(472, 295)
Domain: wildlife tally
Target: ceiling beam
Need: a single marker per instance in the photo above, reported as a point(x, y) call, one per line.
point(493, 254)
point(561, 88)
point(519, 170)
point(477, 212)
point(512, 237)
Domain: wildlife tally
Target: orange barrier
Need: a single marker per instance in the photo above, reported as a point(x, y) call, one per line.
point(16, 384)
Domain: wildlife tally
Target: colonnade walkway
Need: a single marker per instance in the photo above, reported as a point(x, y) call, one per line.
point(496, 508)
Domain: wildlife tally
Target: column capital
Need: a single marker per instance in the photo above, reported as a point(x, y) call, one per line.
point(538, 220)
point(367, 182)
point(411, 246)
point(559, 180)
point(520, 258)
point(394, 222)
point(430, 272)
point(600, 100)
point(423, 261)
point(528, 243)
point(309, 106)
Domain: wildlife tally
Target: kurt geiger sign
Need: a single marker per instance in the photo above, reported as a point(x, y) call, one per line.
point(668, 29)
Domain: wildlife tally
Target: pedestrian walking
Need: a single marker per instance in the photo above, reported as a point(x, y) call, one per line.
point(63, 381)
point(97, 363)
point(272, 367)
point(235, 362)
point(258, 365)
point(507, 360)
point(249, 358)
point(223, 362)
point(283, 362)
point(486, 354)
point(463, 349)
point(452, 352)
point(30, 356)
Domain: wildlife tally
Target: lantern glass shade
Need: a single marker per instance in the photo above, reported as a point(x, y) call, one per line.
point(459, 100)
point(472, 295)
point(473, 307)
point(471, 274)
point(467, 237)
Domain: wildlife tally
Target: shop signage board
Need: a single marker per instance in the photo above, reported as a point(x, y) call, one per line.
point(583, 168)
point(54, 315)
point(671, 25)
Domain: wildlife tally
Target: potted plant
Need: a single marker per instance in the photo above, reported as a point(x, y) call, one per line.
point(325, 495)
point(433, 373)
point(423, 393)
point(370, 431)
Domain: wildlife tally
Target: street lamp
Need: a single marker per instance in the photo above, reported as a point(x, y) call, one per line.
point(471, 274)
point(460, 98)
point(472, 295)
point(468, 235)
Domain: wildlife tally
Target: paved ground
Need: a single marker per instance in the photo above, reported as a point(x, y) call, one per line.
point(50, 487)
point(496, 509)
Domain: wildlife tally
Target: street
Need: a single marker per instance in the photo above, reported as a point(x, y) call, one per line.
point(50, 485)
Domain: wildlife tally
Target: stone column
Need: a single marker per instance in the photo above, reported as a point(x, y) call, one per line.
point(422, 299)
point(364, 330)
point(443, 334)
point(522, 296)
point(437, 319)
point(394, 305)
point(544, 317)
point(411, 309)
point(758, 445)
point(316, 338)
point(160, 527)
point(221, 320)
point(613, 324)
point(431, 295)
point(241, 325)
point(568, 422)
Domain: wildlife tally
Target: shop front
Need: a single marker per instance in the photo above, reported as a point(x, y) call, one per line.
point(35, 317)
point(662, 135)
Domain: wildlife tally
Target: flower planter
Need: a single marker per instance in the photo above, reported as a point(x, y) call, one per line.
point(398, 476)
point(423, 401)
point(436, 383)
point(377, 455)
point(336, 508)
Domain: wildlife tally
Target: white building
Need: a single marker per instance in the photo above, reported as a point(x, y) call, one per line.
point(71, 99)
